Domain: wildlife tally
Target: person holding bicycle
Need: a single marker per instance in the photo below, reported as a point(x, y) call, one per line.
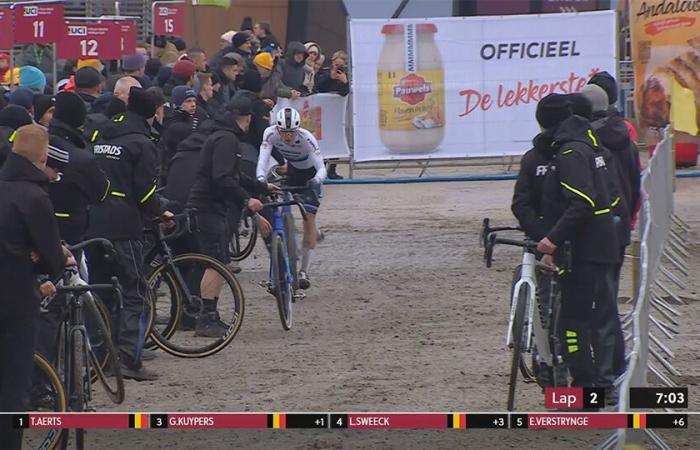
point(304, 168)
point(29, 245)
point(576, 207)
point(219, 192)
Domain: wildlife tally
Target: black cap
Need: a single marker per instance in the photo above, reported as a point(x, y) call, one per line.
point(153, 65)
point(42, 103)
point(239, 106)
point(179, 44)
point(608, 83)
point(251, 81)
point(552, 110)
point(87, 78)
point(141, 102)
point(70, 108)
point(581, 106)
point(14, 116)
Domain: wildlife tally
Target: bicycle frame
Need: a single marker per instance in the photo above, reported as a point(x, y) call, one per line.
point(278, 215)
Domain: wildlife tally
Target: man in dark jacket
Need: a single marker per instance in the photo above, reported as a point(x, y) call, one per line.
point(293, 72)
point(250, 87)
point(29, 245)
point(128, 156)
point(219, 188)
point(180, 121)
point(576, 207)
point(82, 183)
point(230, 67)
point(11, 118)
point(88, 85)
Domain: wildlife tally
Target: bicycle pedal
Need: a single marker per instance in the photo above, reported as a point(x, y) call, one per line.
point(299, 296)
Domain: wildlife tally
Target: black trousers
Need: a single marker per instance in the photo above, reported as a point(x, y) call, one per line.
point(619, 362)
point(17, 336)
point(578, 330)
point(129, 323)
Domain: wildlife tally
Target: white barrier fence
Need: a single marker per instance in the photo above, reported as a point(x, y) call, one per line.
point(662, 256)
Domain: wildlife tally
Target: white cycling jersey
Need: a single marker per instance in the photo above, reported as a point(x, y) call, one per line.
point(301, 154)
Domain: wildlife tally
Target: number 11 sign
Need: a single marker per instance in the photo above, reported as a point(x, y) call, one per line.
point(38, 23)
point(169, 18)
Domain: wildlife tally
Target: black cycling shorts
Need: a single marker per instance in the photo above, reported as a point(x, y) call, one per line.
point(300, 177)
point(213, 236)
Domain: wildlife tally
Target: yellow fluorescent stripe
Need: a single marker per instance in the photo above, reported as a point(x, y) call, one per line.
point(570, 333)
point(572, 340)
point(592, 136)
point(109, 185)
point(602, 211)
point(12, 136)
point(566, 152)
point(94, 135)
point(62, 215)
point(573, 348)
point(576, 191)
point(635, 421)
point(615, 202)
point(118, 194)
point(145, 197)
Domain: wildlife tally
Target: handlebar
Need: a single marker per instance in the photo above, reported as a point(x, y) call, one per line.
point(294, 202)
point(486, 229)
point(185, 222)
point(89, 243)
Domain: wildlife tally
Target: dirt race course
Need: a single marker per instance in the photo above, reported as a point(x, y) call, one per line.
point(402, 316)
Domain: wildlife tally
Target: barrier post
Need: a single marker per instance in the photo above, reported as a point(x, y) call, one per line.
point(634, 256)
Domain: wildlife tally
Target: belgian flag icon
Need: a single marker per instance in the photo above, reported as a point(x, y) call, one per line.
point(138, 420)
point(456, 421)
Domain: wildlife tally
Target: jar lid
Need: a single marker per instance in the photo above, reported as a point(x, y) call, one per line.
point(397, 28)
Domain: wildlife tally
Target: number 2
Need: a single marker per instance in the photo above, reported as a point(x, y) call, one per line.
point(169, 26)
point(92, 50)
point(39, 28)
point(594, 398)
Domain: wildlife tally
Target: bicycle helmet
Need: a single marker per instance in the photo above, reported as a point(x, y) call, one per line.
point(288, 119)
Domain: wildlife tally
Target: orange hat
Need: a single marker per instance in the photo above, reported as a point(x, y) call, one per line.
point(94, 63)
point(264, 60)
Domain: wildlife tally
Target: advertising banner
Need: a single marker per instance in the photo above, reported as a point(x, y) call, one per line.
point(324, 116)
point(128, 37)
point(85, 39)
point(38, 23)
point(468, 86)
point(169, 18)
point(666, 56)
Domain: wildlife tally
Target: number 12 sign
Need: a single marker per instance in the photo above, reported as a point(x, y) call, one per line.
point(94, 39)
point(38, 23)
point(169, 18)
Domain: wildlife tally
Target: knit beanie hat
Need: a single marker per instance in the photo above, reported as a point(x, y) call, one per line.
point(608, 83)
point(264, 60)
point(42, 103)
point(552, 110)
point(597, 96)
point(581, 106)
point(184, 70)
point(22, 97)
point(14, 116)
point(32, 78)
point(240, 38)
point(87, 78)
point(70, 108)
point(180, 94)
point(141, 103)
point(251, 81)
point(132, 63)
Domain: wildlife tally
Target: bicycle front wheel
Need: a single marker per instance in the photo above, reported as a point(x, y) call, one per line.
point(80, 382)
point(47, 395)
point(517, 332)
point(203, 329)
point(244, 238)
point(527, 371)
point(282, 287)
point(103, 354)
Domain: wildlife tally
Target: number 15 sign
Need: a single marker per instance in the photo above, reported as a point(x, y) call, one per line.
point(38, 23)
point(90, 39)
point(169, 18)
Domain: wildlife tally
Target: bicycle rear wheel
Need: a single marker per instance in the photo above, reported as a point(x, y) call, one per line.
point(165, 313)
point(47, 395)
point(189, 340)
point(527, 371)
point(281, 286)
point(103, 354)
point(244, 238)
point(517, 333)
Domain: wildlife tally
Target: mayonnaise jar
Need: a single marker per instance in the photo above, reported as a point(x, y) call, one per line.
point(411, 87)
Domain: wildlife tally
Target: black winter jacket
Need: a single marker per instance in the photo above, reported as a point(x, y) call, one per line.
point(527, 194)
point(82, 184)
point(219, 182)
point(183, 167)
point(260, 119)
point(27, 224)
point(127, 155)
point(324, 83)
point(576, 204)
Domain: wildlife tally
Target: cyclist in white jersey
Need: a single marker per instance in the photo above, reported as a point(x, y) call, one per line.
point(304, 168)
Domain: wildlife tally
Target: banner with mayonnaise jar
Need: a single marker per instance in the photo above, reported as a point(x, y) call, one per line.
point(460, 87)
point(666, 57)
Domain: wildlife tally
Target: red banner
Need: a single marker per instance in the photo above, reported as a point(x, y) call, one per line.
point(397, 421)
point(228, 421)
point(169, 18)
point(128, 40)
point(576, 421)
point(6, 27)
point(94, 39)
point(82, 420)
point(40, 23)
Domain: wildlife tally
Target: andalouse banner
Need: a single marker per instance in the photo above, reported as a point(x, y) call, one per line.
point(467, 87)
point(666, 56)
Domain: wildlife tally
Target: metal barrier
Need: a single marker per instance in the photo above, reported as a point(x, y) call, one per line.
point(662, 269)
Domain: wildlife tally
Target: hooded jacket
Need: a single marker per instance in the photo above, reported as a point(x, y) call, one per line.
point(527, 194)
point(260, 119)
point(576, 205)
point(82, 183)
point(177, 126)
point(616, 138)
point(127, 155)
point(293, 72)
point(325, 83)
point(182, 168)
point(27, 224)
point(219, 183)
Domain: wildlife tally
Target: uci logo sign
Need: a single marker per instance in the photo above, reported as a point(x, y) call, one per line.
point(77, 31)
point(164, 11)
point(31, 11)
